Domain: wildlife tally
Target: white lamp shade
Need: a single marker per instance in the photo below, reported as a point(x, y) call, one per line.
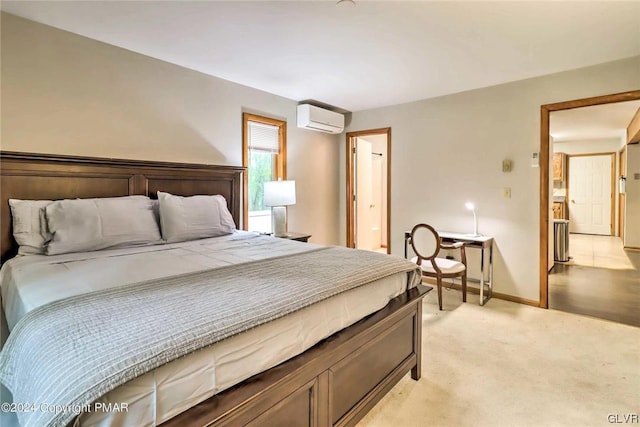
point(279, 193)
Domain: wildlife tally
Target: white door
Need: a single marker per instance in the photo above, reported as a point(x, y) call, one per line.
point(364, 195)
point(590, 194)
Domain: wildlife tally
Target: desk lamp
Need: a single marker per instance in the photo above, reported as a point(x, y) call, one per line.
point(472, 208)
point(279, 195)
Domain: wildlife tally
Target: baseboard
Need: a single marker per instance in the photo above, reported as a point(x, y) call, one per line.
point(476, 291)
point(514, 298)
point(631, 248)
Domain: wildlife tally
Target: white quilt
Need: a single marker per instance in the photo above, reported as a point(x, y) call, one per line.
point(28, 282)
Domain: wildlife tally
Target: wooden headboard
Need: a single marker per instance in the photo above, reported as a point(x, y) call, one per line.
point(51, 177)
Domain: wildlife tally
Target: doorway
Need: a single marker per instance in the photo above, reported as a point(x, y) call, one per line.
point(591, 193)
point(600, 279)
point(369, 189)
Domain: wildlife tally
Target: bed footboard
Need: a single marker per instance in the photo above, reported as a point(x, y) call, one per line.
point(334, 383)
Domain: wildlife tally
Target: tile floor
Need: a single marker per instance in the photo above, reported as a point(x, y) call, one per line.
point(598, 251)
point(602, 280)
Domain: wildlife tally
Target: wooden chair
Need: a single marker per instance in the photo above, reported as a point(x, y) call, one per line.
point(426, 244)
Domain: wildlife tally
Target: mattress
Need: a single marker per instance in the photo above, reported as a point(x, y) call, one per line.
point(31, 281)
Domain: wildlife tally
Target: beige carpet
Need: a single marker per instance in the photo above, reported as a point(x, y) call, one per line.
point(507, 364)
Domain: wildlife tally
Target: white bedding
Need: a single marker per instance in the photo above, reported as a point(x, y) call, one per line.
point(31, 281)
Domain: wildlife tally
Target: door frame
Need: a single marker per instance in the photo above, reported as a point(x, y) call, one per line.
point(545, 111)
point(622, 171)
point(612, 219)
point(351, 136)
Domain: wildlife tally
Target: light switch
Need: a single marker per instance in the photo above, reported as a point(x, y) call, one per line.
point(506, 165)
point(535, 160)
point(506, 192)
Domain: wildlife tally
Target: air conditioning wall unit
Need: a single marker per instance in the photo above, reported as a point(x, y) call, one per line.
point(319, 119)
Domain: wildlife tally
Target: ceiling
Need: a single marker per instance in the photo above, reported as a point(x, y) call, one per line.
point(373, 54)
point(592, 123)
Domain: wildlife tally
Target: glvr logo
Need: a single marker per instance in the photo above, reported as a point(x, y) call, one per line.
point(623, 418)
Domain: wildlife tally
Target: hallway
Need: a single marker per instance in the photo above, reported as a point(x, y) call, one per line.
point(602, 280)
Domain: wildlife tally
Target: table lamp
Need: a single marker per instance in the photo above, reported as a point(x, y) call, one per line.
point(279, 194)
point(472, 208)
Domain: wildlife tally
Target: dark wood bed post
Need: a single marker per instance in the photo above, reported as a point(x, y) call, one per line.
point(334, 383)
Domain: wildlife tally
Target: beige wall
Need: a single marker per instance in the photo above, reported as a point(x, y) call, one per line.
point(449, 150)
point(66, 94)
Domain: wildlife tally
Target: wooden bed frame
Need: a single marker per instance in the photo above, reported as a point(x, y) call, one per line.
point(335, 383)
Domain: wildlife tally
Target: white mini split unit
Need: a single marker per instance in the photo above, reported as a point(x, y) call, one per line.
point(319, 119)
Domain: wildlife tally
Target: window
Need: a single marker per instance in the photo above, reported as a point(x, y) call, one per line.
point(264, 156)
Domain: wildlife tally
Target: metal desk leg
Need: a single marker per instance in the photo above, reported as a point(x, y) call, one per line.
point(491, 270)
point(482, 276)
point(489, 282)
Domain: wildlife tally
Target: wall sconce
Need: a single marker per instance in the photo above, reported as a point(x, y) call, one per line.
point(622, 185)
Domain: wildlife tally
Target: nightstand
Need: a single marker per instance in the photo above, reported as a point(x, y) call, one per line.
point(300, 237)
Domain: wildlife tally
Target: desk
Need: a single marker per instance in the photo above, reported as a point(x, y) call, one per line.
point(479, 242)
point(300, 237)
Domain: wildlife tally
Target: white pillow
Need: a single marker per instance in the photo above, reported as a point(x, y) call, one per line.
point(29, 225)
point(195, 217)
point(81, 225)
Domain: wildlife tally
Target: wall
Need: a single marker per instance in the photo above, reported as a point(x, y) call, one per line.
point(66, 94)
point(632, 224)
point(551, 232)
point(591, 146)
point(449, 150)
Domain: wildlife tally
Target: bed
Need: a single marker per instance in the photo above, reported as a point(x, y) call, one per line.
point(335, 382)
